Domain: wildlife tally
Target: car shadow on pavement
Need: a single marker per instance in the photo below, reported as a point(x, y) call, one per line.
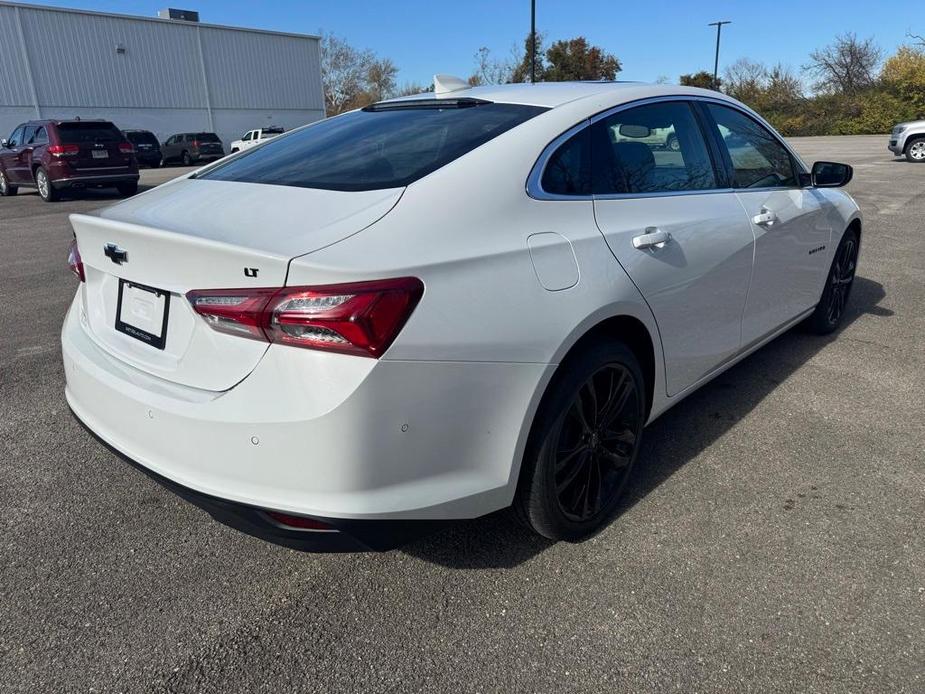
point(499, 541)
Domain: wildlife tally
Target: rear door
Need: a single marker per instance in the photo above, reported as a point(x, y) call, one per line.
point(678, 231)
point(98, 143)
point(789, 222)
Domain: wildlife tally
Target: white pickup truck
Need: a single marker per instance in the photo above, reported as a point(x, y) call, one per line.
point(255, 137)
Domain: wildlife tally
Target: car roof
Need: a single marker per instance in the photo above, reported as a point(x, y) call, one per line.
point(553, 94)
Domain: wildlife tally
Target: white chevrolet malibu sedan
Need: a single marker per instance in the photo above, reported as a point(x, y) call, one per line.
point(443, 305)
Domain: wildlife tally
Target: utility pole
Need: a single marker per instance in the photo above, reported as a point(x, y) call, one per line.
point(532, 41)
point(719, 29)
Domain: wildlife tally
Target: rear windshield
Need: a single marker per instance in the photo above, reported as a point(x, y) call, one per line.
point(80, 133)
point(141, 138)
point(206, 137)
point(369, 150)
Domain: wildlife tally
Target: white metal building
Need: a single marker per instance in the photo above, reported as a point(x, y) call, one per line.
point(162, 75)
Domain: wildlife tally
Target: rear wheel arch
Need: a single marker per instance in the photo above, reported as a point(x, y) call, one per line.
point(634, 334)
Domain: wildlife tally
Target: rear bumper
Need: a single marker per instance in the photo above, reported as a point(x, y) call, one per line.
point(148, 158)
point(327, 436)
point(94, 180)
point(346, 535)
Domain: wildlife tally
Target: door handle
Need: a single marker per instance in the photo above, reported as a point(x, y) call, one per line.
point(766, 218)
point(653, 238)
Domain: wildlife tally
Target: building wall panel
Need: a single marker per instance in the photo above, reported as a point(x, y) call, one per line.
point(14, 80)
point(75, 62)
point(262, 71)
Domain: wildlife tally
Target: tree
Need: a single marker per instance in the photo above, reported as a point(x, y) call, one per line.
point(575, 59)
point(701, 79)
point(521, 71)
point(904, 74)
point(783, 89)
point(490, 71)
point(353, 78)
point(745, 80)
point(847, 66)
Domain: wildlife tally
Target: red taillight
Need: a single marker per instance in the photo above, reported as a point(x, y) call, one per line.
point(362, 318)
point(63, 150)
point(298, 522)
point(126, 148)
point(195, 143)
point(74, 262)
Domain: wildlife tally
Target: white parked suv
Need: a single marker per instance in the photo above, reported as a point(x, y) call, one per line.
point(255, 137)
point(909, 139)
point(439, 306)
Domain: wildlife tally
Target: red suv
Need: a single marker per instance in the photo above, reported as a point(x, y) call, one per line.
point(54, 155)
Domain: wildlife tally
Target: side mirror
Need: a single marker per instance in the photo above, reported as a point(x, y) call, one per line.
point(829, 174)
point(4, 142)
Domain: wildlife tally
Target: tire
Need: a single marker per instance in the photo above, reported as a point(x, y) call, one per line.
point(673, 144)
point(128, 188)
point(831, 307)
point(7, 188)
point(581, 449)
point(915, 150)
point(185, 159)
point(46, 189)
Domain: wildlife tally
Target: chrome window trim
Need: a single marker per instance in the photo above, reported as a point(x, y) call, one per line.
point(535, 189)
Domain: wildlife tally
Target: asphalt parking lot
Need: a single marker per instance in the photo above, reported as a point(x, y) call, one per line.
point(773, 538)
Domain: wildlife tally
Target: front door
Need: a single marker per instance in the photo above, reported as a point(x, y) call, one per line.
point(683, 240)
point(791, 230)
point(9, 156)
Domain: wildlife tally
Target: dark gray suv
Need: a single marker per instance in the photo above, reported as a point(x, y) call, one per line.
point(192, 148)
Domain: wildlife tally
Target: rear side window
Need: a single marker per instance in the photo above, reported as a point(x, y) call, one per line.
point(40, 137)
point(369, 150)
point(82, 133)
point(656, 148)
point(759, 160)
point(568, 171)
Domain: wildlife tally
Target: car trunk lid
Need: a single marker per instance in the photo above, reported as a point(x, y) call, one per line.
point(142, 256)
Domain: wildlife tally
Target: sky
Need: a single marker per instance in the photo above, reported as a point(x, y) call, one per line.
point(652, 40)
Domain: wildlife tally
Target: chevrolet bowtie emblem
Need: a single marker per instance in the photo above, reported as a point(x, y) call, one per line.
point(115, 254)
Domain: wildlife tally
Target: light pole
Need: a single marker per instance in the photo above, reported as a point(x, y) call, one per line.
point(532, 41)
point(719, 29)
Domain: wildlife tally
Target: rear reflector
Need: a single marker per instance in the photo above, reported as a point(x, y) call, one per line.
point(298, 522)
point(74, 261)
point(63, 150)
point(362, 318)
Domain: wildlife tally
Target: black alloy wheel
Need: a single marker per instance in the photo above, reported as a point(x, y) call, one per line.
point(831, 307)
point(596, 441)
point(583, 444)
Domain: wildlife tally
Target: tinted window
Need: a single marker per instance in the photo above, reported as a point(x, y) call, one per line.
point(650, 149)
point(80, 133)
point(40, 137)
point(141, 138)
point(368, 150)
point(205, 137)
point(28, 134)
point(16, 137)
point(568, 171)
point(759, 160)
